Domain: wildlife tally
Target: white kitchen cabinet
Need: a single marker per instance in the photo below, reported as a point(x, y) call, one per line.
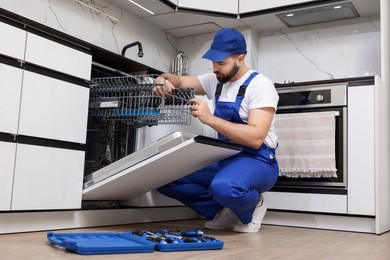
point(34, 176)
point(56, 56)
point(361, 164)
point(223, 6)
point(47, 178)
point(13, 48)
point(235, 6)
point(53, 109)
point(246, 6)
point(10, 90)
point(308, 202)
point(7, 160)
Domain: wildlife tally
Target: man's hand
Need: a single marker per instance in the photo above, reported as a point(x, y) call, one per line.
point(201, 110)
point(162, 86)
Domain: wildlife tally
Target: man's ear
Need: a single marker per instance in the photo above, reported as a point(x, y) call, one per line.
point(241, 58)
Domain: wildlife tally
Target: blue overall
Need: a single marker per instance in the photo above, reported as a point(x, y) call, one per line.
point(236, 182)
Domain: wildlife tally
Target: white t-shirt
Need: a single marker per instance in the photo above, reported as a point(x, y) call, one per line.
point(260, 93)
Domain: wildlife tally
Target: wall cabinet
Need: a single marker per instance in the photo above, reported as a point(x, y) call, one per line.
point(235, 6)
point(221, 6)
point(254, 5)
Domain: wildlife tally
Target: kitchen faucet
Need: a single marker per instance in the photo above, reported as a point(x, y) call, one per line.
point(140, 53)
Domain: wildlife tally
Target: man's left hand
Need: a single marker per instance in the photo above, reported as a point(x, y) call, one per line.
point(201, 110)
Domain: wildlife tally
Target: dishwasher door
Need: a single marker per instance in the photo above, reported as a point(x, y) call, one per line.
point(166, 160)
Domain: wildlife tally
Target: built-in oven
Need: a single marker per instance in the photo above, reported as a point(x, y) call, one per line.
point(294, 98)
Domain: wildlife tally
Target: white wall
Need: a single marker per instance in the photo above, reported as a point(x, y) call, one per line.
point(74, 19)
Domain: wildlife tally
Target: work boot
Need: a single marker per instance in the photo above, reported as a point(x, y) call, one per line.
point(224, 219)
point(257, 218)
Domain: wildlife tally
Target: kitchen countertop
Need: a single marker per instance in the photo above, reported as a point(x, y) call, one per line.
point(356, 81)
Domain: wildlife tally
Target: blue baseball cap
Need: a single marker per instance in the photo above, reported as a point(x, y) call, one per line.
point(226, 42)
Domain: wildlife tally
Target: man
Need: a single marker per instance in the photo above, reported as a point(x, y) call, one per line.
point(228, 193)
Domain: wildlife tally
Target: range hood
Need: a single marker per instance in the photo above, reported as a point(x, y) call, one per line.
point(318, 14)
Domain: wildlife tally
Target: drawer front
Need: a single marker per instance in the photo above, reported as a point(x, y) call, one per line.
point(324, 203)
point(58, 57)
point(7, 159)
point(10, 90)
point(47, 178)
point(53, 109)
point(14, 41)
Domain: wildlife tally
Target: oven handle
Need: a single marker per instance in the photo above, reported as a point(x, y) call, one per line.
point(336, 113)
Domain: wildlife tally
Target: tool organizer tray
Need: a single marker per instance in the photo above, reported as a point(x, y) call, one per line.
point(133, 242)
point(167, 241)
point(101, 243)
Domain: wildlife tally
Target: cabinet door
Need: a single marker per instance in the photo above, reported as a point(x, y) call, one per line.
point(55, 56)
point(47, 178)
point(10, 89)
point(224, 6)
point(361, 168)
point(53, 109)
point(256, 5)
point(13, 41)
point(7, 159)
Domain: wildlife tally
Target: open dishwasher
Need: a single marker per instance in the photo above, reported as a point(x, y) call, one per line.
point(118, 106)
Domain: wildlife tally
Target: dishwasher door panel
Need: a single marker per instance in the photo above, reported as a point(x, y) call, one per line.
point(168, 159)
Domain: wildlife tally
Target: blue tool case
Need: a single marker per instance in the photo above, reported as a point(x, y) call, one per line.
point(101, 243)
point(139, 241)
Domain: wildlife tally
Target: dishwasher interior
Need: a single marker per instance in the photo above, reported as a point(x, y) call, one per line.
point(120, 104)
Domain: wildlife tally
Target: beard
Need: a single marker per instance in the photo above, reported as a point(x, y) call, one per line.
point(225, 78)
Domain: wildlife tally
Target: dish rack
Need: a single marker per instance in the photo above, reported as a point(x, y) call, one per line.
point(130, 100)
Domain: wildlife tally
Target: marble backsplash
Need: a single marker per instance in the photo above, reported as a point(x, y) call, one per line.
point(76, 19)
point(343, 49)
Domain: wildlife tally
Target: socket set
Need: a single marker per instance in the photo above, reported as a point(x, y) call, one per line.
point(139, 241)
point(179, 240)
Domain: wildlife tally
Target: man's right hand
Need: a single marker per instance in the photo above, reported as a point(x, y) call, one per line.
point(162, 86)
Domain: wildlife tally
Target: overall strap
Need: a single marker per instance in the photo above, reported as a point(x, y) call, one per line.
point(241, 91)
point(219, 89)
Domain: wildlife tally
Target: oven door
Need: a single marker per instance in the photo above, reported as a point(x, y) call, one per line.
point(336, 182)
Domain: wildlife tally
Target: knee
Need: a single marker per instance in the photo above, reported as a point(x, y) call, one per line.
point(225, 190)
